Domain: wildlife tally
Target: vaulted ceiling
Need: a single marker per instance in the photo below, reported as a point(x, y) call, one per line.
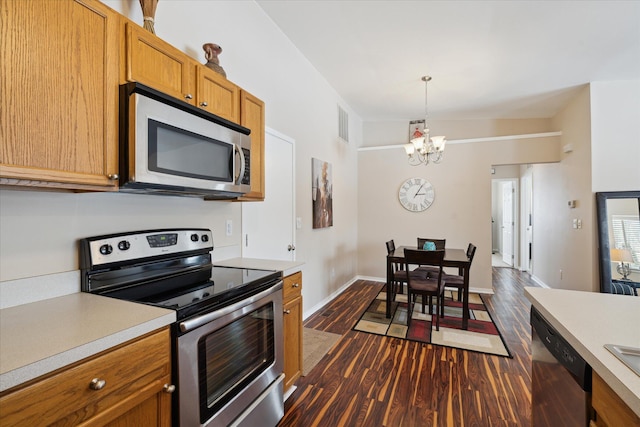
point(488, 59)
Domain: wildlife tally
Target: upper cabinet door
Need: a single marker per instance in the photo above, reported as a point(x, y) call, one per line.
point(252, 117)
point(59, 79)
point(155, 63)
point(218, 95)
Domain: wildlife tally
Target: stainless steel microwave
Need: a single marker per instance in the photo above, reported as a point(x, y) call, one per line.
point(170, 147)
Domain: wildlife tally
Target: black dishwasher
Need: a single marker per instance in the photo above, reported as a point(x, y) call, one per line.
point(560, 379)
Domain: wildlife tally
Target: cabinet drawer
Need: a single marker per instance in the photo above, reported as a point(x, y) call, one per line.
point(129, 372)
point(292, 286)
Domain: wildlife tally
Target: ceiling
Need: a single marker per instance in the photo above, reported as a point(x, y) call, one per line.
point(488, 59)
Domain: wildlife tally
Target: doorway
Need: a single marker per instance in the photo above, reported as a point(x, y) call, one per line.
point(268, 228)
point(504, 222)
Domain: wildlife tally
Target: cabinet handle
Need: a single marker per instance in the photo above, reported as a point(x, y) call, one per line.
point(295, 285)
point(97, 384)
point(287, 312)
point(113, 177)
point(291, 248)
point(203, 104)
point(169, 388)
point(188, 96)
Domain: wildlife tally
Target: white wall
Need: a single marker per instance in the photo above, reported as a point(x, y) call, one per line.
point(299, 103)
point(557, 246)
point(615, 135)
point(40, 230)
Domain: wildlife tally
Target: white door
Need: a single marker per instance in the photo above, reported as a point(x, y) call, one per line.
point(527, 223)
point(268, 230)
point(507, 222)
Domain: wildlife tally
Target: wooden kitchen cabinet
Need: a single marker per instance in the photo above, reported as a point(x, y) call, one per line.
point(292, 301)
point(59, 78)
point(252, 117)
point(157, 64)
point(136, 389)
point(217, 95)
point(610, 410)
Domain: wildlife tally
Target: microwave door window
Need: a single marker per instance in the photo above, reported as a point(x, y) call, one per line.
point(176, 151)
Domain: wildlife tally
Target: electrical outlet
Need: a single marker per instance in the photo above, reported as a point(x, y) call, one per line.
point(298, 223)
point(560, 274)
point(229, 227)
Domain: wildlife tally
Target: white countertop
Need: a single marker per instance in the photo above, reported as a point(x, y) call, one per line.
point(588, 321)
point(40, 337)
point(287, 267)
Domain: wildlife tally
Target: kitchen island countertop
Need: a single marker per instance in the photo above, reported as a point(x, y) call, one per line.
point(43, 336)
point(588, 321)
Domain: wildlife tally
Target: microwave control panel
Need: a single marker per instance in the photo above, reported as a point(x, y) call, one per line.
point(246, 178)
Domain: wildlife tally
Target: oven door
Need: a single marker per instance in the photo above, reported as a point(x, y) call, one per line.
point(230, 363)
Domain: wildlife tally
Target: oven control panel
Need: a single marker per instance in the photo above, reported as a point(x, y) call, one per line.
point(127, 247)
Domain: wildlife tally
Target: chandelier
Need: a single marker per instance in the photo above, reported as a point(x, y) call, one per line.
point(423, 148)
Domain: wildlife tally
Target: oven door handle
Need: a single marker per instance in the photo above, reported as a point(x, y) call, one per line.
point(196, 322)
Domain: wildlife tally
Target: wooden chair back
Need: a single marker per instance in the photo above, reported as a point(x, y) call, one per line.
point(391, 246)
point(471, 252)
point(440, 243)
point(424, 259)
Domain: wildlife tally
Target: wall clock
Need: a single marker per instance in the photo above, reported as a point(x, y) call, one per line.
point(416, 194)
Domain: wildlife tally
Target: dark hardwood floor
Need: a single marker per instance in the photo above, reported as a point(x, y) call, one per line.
point(371, 380)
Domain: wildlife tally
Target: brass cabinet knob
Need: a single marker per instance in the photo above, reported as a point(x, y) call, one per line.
point(113, 177)
point(287, 312)
point(295, 285)
point(203, 104)
point(188, 96)
point(97, 384)
point(169, 388)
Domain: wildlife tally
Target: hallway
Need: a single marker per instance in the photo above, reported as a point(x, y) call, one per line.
point(496, 261)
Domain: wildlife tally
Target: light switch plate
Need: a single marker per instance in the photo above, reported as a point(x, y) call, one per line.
point(229, 227)
point(298, 223)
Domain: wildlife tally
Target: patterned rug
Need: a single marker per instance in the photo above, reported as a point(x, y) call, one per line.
point(481, 336)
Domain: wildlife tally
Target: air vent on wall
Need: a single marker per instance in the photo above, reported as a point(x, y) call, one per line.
point(343, 124)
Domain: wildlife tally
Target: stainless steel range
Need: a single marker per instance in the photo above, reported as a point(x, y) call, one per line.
point(227, 342)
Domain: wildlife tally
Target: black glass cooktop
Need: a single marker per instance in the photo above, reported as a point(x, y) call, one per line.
point(225, 286)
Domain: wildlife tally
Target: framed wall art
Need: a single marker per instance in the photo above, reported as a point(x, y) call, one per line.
point(321, 193)
point(416, 128)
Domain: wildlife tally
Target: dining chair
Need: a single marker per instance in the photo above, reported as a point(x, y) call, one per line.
point(426, 284)
point(456, 280)
point(399, 274)
point(439, 243)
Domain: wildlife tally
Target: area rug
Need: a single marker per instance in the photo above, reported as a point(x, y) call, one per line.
point(481, 336)
point(315, 344)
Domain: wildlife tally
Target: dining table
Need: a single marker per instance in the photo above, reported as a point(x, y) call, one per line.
point(456, 258)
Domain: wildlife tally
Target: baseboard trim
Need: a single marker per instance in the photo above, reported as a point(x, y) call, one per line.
point(328, 299)
point(540, 282)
